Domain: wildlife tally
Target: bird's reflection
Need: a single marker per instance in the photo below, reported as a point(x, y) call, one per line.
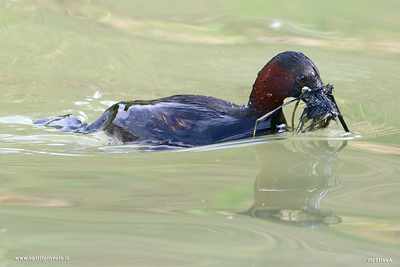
point(293, 179)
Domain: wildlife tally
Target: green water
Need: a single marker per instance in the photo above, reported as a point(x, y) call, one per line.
point(319, 199)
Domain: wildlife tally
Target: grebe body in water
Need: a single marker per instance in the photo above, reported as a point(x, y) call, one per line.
point(193, 120)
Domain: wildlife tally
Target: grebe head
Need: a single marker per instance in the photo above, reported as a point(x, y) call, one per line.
point(284, 76)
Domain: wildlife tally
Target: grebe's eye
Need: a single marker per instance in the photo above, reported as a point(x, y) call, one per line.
point(301, 79)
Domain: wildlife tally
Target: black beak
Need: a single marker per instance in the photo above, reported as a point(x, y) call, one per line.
point(340, 116)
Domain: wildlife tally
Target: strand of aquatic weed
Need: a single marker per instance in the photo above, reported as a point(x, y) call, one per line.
point(272, 112)
point(313, 124)
point(294, 110)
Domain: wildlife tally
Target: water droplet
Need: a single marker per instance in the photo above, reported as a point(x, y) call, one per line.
point(276, 24)
point(97, 95)
point(85, 117)
point(81, 103)
point(269, 94)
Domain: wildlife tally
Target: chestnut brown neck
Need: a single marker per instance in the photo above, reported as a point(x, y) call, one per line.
point(272, 86)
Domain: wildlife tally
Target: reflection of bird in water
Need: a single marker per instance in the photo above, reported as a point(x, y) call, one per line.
point(291, 191)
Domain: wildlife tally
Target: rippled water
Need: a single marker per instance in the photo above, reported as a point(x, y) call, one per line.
point(308, 199)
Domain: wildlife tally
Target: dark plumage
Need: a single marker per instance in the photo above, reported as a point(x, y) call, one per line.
point(192, 120)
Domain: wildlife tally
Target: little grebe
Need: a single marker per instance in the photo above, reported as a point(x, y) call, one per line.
point(193, 120)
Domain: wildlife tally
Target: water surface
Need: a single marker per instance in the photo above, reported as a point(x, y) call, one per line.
point(280, 200)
